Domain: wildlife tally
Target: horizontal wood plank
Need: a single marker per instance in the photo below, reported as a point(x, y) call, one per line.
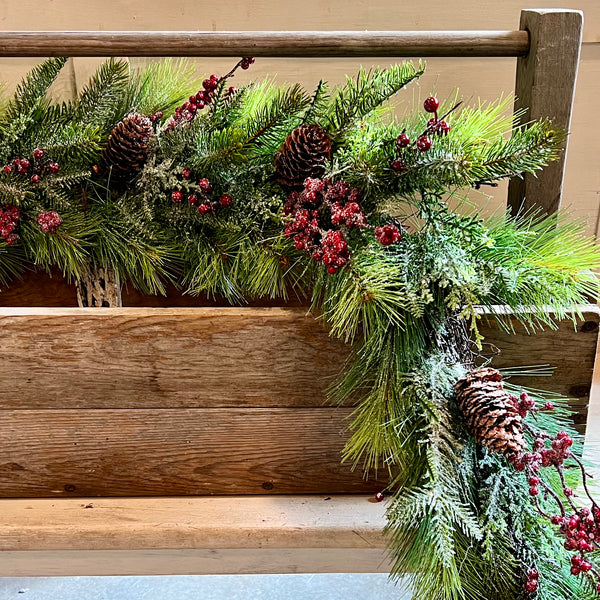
point(225, 561)
point(345, 521)
point(176, 452)
point(570, 350)
point(263, 43)
point(142, 358)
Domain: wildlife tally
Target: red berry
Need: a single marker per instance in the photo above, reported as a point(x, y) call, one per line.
point(54, 167)
point(49, 222)
point(398, 165)
point(225, 200)
point(443, 128)
point(431, 104)
point(533, 491)
point(576, 560)
point(533, 480)
point(548, 406)
point(186, 173)
point(16, 161)
point(7, 168)
point(205, 185)
point(38, 153)
point(35, 179)
point(568, 491)
point(533, 574)
point(232, 90)
point(531, 586)
point(193, 199)
point(424, 143)
point(245, 64)
point(203, 209)
point(177, 196)
point(379, 497)
point(331, 270)
point(402, 141)
point(575, 571)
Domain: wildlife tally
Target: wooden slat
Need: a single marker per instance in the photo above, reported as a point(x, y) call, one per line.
point(264, 43)
point(346, 521)
point(570, 349)
point(212, 357)
point(225, 561)
point(153, 536)
point(544, 89)
point(175, 451)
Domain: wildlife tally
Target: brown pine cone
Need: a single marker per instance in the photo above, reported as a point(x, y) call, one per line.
point(489, 411)
point(127, 148)
point(302, 155)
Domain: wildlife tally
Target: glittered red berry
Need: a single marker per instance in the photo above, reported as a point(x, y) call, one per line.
point(575, 571)
point(586, 567)
point(379, 497)
point(7, 168)
point(225, 200)
point(531, 586)
point(331, 270)
point(402, 141)
point(548, 406)
point(54, 167)
point(193, 199)
point(186, 173)
point(205, 185)
point(177, 196)
point(424, 143)
point(533, 491)
point(245, 64)
point(35, 179)
point(38, 153)
point(533, 480)
point(533, 574)
point(443, 128)
point(431, 104)
point(203, 209)
point(399, 165)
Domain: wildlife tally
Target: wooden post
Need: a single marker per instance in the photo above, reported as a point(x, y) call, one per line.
point(544, 89)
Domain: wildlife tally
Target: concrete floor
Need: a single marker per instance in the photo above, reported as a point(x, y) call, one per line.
point(204, 587)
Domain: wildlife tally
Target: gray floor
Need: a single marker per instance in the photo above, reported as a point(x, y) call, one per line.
point(205, 587)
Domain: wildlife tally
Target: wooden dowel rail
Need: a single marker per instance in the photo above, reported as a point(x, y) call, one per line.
point(322, 44)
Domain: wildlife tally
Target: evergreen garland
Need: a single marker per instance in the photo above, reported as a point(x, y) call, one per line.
point(371, 243)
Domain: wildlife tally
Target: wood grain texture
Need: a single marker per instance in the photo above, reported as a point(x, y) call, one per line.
point(545, 88)
point(570, 349)
point(263, 43)
point(154, 358)
point(176, 452)
point(225, 561)
point(242, 522)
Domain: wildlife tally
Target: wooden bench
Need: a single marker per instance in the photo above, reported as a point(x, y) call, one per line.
point(196, 440)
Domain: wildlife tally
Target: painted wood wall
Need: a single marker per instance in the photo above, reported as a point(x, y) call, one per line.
point(476, 78)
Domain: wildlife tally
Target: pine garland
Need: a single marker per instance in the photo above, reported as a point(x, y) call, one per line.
point(372, 244)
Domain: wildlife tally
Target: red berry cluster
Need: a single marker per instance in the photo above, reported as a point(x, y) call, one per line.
point(321, 216)
point(424, 142)
point(34, 168)
point(49, 222)
point(9, 219)
point(186, 113)
point(532, 584)
point(201, 195)
point(579, 526)
point(387, 235)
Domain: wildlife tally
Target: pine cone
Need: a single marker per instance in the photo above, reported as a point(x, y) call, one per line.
point(302, 155)
point(490, 413)
point(127, 148)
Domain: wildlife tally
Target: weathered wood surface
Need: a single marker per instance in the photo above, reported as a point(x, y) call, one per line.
point(176, 452)
point(570, 349)
point(222, 561)
point(264, 43)
point(346, 521)
point(158, 358)
point(545, 89)
point(152, 536)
